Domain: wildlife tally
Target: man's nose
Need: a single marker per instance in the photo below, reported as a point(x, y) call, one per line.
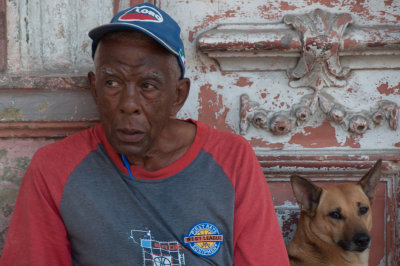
point(130, 100)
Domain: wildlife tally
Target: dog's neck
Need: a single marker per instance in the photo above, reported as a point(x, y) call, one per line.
point(307, 242)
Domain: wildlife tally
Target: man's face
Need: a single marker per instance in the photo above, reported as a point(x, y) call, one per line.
point(135, 91)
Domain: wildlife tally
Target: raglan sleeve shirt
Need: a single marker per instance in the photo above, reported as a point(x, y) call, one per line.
point(257, 235)
point(38, 235)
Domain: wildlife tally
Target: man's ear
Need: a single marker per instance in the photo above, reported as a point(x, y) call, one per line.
point(181, 94)
point(92, 84)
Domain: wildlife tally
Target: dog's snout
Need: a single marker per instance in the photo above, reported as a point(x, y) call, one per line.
point(358, 243)
point(361, 240)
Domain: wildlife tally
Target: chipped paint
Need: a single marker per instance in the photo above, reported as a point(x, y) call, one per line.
point(287, 6)
point(243, 82)
point(208, 20)
point(288, 215)
point(212, 110)
point(10, 179)
point(15, 156)
point(213, 68)
point(11, 114)
point(320, 137)
point(43, 106)
point(256, 142)
point(386, 90)
point(352, 142)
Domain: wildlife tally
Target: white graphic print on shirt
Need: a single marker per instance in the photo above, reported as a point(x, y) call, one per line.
point(158, 253)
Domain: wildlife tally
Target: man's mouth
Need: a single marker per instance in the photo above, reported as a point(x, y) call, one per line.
point(130, 135)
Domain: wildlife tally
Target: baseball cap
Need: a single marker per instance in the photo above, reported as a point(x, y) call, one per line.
point(150, 20)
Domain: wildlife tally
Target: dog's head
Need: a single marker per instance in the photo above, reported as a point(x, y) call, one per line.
point(339, 215)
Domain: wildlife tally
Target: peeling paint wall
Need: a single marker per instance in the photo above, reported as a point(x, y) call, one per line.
point(271, 89)
point(15, 156)
point(321, 100)
point(50, 37)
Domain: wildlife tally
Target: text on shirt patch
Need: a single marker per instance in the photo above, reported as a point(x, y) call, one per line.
point(204, 239)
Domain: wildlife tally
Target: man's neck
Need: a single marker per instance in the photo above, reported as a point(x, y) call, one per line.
point(173, 144)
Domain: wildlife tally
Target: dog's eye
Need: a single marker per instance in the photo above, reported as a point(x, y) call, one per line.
point(335, 215)
point(363, 210)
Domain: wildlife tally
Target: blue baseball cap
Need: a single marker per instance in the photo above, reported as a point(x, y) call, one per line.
point(150, 20)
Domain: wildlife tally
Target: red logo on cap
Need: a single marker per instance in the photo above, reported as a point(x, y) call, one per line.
point(144, 14)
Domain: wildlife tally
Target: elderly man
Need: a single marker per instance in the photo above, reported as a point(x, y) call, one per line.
point(144, 188)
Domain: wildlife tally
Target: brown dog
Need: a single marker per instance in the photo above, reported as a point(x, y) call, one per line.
point(335, 221)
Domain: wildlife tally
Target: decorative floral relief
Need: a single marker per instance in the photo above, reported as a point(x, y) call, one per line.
point(282, 122)
point(321, 35)
point(318, 68)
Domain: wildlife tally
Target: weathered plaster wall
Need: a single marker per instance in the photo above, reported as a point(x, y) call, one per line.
point(219, 92)
point(15, 156)
point(50, 37)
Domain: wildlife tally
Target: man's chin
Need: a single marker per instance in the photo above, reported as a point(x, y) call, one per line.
point(130, 150)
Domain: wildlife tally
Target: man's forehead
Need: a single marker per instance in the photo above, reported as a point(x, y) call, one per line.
point(112, 71)
point(133, 37)
point(106, 70)
point(104, 49)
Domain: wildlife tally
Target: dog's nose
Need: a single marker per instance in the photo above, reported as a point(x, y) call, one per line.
point(361, 240)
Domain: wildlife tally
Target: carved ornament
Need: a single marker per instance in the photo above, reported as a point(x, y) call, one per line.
point(309, 48)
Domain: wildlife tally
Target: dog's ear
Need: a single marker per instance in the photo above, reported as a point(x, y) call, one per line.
point(307, 194)
point(370, 180)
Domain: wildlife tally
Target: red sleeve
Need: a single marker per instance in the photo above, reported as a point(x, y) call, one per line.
point(257, 236)
point(37, 235)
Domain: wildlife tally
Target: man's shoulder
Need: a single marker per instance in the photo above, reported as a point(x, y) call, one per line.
point(222, 140)
point(73, 147)
point(53, 163)
point(227, 137)
point(233, 153)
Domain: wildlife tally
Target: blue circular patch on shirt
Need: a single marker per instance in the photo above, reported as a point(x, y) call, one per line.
point(204, 239)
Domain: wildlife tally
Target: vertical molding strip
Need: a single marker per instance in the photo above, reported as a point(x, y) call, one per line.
point(3, 36)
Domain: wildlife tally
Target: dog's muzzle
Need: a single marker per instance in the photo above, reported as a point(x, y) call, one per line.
point(358, 243)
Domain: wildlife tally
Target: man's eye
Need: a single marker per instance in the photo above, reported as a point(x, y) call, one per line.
point(148, 87)
point(112, 83)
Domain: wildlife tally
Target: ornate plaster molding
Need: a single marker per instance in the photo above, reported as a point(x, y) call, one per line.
point(269, 47)
point(321, 37)
point(314, 49)
point(281, 123)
